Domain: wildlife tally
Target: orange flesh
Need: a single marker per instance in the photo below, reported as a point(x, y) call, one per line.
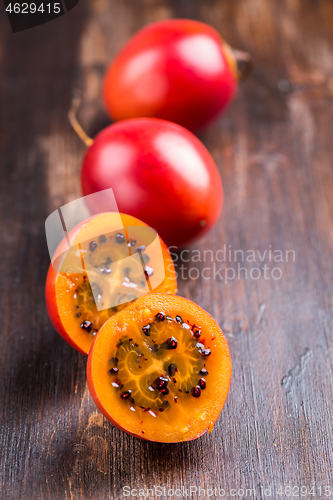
point(124, 359)
point(73, 315)
point(69, 296)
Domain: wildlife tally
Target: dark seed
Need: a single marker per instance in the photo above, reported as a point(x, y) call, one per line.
point(113, 371)
point(105, 270)
point(146, 330)
point(160, 316)
point(120, 238)
point(196, 334)
point(165, 391)
point(172, 369)
point(179, 319)
point(161, 409)
point(92, 246)
point(202, 383)
point(149, 271)
point(175, 399)
point(141, 248)
point(126, 394)
point(196, 391)
point(171, 343)
point(202, 349)
point(132, 243)
point(203, 371)
point(87, 326)
point(102, 239)
point(161, 383)
point(77, 315)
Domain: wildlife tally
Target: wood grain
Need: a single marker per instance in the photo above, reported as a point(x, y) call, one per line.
point(274, 150)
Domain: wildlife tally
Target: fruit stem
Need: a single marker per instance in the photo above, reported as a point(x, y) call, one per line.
point(74, 122)
point(244, 63)
point(240, 61)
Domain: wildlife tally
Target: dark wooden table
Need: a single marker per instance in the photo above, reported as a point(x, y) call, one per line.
point(274, 150)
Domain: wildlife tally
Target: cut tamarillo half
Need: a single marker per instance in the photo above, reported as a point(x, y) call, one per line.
point(151, 377)
point(109, 264)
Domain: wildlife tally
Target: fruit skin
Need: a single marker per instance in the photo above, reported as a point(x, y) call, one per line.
point(51, 297)
point(176, 70)
point(53, 310)
point(157, 301)
point(160, 173)
point(51, 300)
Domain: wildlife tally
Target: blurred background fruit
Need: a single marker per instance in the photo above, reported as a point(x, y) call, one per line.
point(179, 70)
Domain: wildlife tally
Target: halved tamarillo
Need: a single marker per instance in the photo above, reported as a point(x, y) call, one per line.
point(160, 369)
point(105, 270)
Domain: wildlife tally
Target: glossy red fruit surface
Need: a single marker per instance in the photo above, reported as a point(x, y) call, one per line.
point(178, 70)
point(160, 173)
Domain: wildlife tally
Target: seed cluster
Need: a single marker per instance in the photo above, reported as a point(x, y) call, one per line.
point(86, 307)
point(167, 382)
